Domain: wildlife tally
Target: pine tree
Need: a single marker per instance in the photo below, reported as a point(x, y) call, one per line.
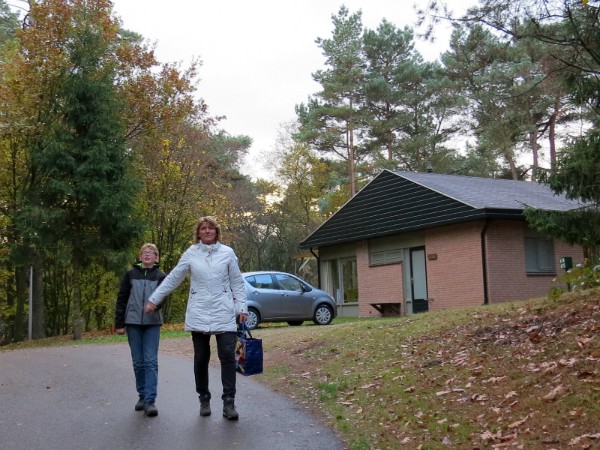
point(331, 118)
point(82, 194)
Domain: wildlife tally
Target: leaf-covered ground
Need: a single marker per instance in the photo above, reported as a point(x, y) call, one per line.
point(521, 375)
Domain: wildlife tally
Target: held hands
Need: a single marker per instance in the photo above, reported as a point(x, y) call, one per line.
point(242, 317)
point(149, 307)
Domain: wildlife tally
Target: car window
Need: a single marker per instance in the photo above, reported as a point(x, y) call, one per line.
point(288, 283)
point(261, 281)
point(251, 281)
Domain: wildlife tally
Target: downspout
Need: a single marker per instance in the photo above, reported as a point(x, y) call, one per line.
point(486, 299)
point(318, 266)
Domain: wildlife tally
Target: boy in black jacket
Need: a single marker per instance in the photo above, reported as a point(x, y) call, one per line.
point(143, 329)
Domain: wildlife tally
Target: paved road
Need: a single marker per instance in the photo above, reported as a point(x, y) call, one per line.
point(82, 397)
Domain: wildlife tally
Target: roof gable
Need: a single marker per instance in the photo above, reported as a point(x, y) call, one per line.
point(397, 202)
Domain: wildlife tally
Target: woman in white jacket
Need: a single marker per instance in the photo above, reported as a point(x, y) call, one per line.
point(217, 300)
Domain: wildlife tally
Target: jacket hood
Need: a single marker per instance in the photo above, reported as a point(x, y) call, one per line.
point(138, 264)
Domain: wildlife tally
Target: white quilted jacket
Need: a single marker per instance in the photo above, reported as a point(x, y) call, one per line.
point(217, 293)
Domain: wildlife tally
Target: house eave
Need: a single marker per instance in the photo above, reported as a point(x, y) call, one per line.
point(479, 214)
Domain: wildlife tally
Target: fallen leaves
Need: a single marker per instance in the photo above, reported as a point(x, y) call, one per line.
point(451, 391)
point(583, 341)
point(577, 440)
point(554, 393)
point(488, 436)
point(479, 398)
point(477, 371)
point(495, 379)
point(534, 334)
point(567, 362)
point(510, 394)
point(518, 423)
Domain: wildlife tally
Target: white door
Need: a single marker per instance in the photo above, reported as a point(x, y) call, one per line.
point(418, 280)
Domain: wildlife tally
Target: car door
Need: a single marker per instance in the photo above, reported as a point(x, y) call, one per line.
point(264, 291)
point(297, 303)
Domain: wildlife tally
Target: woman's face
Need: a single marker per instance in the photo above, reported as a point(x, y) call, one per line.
point(207, 233)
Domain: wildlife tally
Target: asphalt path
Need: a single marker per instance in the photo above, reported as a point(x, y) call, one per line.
point(82, 397)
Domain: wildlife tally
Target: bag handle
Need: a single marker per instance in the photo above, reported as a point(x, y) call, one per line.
point(245, 330)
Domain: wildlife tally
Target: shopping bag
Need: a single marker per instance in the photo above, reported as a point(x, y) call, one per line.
point(248, 352)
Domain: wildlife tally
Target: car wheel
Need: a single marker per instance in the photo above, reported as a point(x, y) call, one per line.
point(323, 315)
point(296, 323)
point(253, 319)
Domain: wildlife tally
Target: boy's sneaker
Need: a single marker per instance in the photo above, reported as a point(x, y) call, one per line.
point(151, 410)
point(139, 406)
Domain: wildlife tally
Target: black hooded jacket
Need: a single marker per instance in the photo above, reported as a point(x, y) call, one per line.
point(136, 286)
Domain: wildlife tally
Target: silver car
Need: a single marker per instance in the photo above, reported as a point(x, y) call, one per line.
point(283, 297)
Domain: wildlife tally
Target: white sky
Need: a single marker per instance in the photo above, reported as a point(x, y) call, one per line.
point(257, 56)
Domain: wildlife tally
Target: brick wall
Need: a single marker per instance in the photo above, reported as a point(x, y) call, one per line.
point(379, 284)
point(453, 258)
point(454, 272)
point(507, 277)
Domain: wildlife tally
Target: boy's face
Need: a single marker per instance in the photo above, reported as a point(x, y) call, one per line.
point(148, 257)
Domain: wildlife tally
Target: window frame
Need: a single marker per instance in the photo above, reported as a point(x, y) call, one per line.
point(539, 254)
point(384, 251)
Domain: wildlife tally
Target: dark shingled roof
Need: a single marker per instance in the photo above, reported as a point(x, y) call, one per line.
point(491, 192)
point(400, 202)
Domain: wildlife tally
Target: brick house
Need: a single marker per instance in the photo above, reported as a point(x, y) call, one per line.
point(411, 242)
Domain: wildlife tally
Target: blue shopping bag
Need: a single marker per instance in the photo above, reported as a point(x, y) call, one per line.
point(248, 352)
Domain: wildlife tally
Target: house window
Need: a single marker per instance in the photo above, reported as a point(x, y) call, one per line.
point(349, 280)
point(340, 279)
point(539, 254)
point(385, 251)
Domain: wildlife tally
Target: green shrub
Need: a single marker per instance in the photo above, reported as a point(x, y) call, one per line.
point(579, 278)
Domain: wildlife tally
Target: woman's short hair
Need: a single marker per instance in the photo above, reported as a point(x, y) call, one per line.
point(211, 220)
point(152, 247)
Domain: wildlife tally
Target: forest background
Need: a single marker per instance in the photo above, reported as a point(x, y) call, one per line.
point(103, 147)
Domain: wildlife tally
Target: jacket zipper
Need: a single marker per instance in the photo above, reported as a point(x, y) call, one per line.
point(144, 294)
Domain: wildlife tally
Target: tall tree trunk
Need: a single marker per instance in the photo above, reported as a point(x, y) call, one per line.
point(552, 136)
point(167, 310)
point(21, 275)
point(100, 317)
point(351, 168)
point(511, 162)
point(10, 292)
point(38, 329)
point(390, 135)
point(350, 143)
point(76, 318)
point(534, 151)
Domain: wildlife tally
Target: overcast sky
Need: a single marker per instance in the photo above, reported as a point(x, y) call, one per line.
point(257, 56)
